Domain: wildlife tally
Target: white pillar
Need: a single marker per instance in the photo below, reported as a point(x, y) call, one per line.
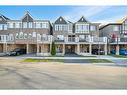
point(78, 48)
point(37, 48)
point(63, 49)
point(90, 49)
point(117, 49)
point(109, 49)
point(27, 48)
point(105, 49)
point(5, 47)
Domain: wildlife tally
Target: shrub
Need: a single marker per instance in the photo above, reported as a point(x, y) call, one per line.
point(53, 49)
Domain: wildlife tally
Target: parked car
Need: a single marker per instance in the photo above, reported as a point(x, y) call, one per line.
point(121, 51)
point(98, 52)
point(17, 51)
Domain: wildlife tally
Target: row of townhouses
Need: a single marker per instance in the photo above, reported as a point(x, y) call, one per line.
point(81, 37)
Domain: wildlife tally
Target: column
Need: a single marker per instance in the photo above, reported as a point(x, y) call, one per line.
point(27, 48)
point(117, 49)
point(105, 49)
point(37, 48)
point(90, 49)
point(5, 47)
point(78, 48)
point(109, 49)
point(63, 49)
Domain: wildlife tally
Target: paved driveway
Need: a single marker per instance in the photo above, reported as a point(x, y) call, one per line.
point(17, 75)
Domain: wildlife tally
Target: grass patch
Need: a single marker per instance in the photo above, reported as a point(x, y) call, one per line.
point(42, 60)
point(100, 61)
point(118, 56)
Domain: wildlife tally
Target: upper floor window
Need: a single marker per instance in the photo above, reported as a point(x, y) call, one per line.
point(3, 27)
point(24, 24)
point(30, 25)
point(81, 28)
point(13, 25)
point(115, 28)
point(61, 28)
point(93, 28)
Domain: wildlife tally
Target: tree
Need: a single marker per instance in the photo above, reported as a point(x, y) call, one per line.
point(53, 49)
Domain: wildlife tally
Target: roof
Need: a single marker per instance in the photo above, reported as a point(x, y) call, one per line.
point(27, 17)
point(121, 20)
point(103, 26)
point(82, 19)
point(3, 19)
point(60, 20)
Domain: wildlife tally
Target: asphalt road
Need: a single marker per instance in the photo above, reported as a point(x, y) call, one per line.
point(15, 74)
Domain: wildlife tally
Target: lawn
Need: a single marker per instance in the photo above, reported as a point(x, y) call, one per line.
point(100, 61)
point(42, 60)
point(62, 60)
point(118, 56)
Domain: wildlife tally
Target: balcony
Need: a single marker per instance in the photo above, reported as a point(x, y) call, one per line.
point(44, 39)
point(118, 40)
point(99, 39)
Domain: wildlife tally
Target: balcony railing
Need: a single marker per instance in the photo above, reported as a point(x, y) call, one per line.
point(117, 40)
point(49, 38)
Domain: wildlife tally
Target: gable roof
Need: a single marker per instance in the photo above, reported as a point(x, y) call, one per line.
point(103, 26)
point(3, 19)
point(82, 19)
point(60, 20)
point(27, 17)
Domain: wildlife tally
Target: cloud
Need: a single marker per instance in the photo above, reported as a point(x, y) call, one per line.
point(88, 12)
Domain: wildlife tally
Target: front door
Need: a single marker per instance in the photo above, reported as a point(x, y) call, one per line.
point(70, 49)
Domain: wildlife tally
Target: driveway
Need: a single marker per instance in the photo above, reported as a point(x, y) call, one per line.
point(15, 74)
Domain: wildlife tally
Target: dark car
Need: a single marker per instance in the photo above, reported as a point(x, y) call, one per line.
point(17, 51)
point(98, 52)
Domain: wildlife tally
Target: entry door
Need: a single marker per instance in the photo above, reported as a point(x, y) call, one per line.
point(70, 49)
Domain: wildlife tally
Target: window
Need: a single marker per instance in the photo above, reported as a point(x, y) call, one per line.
point(82, 28)
point(115, 28)
point(17, 25)
point(83, 37)
point(25, 36)
point(24, 24)
point(30, 35)
point(3, 27)
point(10, 25)
point(60, 37)
point(21, 35)
point(30, 25)
point(13, 25)
point(11, 37)
point(37, 25)
point(93, 28)
point(61, 27)
point(34, 34)
point(16, 35)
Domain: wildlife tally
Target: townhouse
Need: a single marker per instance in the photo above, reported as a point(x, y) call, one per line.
point(79, 37)
point(26, 33)
point(116, 34)
point(36, 36)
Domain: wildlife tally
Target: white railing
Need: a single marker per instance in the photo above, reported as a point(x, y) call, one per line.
point(117, 40)
point(41, 38)
point(49, 38)
point(99, 39)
